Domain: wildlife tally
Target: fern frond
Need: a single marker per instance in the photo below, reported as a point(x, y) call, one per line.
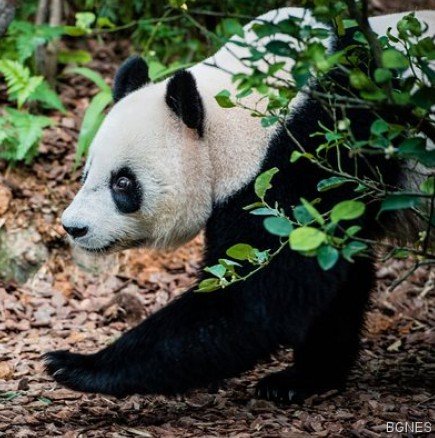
point(19, 81)
point(22, 134)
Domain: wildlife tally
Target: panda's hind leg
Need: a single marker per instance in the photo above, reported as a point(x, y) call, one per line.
point(324, 359)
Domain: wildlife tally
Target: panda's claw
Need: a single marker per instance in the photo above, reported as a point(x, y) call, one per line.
point(275, 394)
point(287, 386)
point(291, 386)
point(72, 370)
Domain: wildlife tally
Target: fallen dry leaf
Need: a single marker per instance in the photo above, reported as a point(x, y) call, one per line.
point(6, 371)
point(5, 199)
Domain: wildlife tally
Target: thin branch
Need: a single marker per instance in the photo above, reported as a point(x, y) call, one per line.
point(361, 17)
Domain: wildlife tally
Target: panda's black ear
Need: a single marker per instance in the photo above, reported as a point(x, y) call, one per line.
point(132, 75)
point(183, 98)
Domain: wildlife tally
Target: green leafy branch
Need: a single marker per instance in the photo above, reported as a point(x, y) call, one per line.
point(410, 100)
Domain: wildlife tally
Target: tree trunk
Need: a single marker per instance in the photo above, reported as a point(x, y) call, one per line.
point(7, 13)
point(49, 12)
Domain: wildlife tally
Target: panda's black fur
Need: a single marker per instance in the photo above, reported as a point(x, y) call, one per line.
point(202, 338)
point(132, 74)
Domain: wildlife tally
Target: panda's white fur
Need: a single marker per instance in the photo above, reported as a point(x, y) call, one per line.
point(182, 174)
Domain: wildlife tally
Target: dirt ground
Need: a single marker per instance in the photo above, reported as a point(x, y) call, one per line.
point(65, 305)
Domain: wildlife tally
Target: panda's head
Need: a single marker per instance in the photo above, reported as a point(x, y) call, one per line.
point(147, 178)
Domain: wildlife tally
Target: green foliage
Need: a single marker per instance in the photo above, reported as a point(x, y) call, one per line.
point(23, 38)
point(21, 130)
point(21, 85)
point(223, 99)
point(334, 234)
point(279, 226)
point(20, 133)
point(172, 35)
point(263, 182)
point(347, 210)
point(94, 114)
point(306, 239)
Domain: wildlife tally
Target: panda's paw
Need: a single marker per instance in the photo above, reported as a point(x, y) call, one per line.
point(279, 388)
point(288, 386)
point(79, 372)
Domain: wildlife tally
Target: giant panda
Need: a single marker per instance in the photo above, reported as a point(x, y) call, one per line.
point(168, 162)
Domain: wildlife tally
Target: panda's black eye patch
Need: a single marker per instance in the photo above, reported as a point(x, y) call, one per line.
point(126, 190)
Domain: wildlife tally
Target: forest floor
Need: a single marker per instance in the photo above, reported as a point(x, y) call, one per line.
point(65, 305)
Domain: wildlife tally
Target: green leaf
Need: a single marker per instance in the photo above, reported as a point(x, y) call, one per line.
point(84, 20)
point(314, 213)
point(229, 264)
point(327, 256)
point(360, 80)
point(415, 147)
point(302, 215)
point(93, 76)
point(383, 75)
point(48, 97)
point(279, 226)
point(241, 251)
point(409, 26)
point(105, 22)
point(253, 205)
point(393, 59)
point(155, 68)
point(296, 155)
point(428, 186)
point(268, 121)
point(375, 94)
point(264, 211)
point(92, 120)
point(157, 71)
point(280, 48)
point(331, 183)
point(399, 202)
point(208, 285)
point(306, 238)
point(353, 248)
point(379, 127)
point(424, 97)
point(347, 210)
point(74, 31)
point(264, 29)
point(223, 99)
point(216, 270)
point(74, 57)
point(354, 229)
point(263, 182)
point(229, 27)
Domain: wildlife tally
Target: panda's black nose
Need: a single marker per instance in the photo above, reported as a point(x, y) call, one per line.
point(76, 232)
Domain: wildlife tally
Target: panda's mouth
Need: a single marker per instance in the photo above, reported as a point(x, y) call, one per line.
point(113, 246)
point(110, 247)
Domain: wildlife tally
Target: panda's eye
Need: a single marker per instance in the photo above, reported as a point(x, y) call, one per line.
point(126, 190)
point(122, 184)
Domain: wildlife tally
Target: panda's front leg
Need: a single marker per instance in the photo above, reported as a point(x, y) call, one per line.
point(323, 360)
point(194, 341)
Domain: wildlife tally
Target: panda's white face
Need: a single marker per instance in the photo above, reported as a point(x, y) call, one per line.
point(163, 156)
point(146, 181)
